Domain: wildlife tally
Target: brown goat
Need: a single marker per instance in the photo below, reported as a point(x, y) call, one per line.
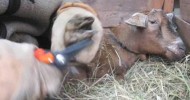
point(150, 33)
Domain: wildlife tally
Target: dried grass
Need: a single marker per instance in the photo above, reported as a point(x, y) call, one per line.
point(154, 79)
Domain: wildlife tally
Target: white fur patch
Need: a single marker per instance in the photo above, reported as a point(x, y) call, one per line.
point(58, 30)
point(21, 71)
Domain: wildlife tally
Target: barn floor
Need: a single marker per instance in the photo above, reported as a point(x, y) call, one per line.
point(154, 79)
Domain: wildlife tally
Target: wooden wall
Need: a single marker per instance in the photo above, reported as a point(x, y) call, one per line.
point(113, 12)
point(185, 10)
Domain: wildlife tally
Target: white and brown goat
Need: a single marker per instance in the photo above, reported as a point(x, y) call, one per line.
point(23, 77)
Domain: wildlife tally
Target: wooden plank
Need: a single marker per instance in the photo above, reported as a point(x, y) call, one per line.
point(185, 1)
point(185, 10)
point(184, 31)
point(168, 6)
point(114, 12)
point(156, 4)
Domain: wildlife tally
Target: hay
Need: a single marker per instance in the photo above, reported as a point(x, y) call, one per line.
point(154, 79)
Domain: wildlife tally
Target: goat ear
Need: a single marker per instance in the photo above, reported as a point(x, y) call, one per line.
point(137, 19)
point(170, 17)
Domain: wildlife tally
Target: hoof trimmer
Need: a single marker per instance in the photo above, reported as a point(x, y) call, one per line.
point(61, 58)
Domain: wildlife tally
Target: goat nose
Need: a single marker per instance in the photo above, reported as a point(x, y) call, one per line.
point(181, 46)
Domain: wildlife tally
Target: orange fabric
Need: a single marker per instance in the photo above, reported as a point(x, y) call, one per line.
point(76, 4)
point(44, 57)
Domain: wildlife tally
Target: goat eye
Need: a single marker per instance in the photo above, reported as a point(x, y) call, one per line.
point(153, 22)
